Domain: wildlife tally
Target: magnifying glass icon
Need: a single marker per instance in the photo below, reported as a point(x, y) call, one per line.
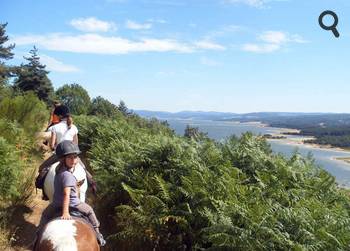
point(332, 27)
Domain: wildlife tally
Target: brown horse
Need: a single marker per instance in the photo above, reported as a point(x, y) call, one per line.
point(67, 235)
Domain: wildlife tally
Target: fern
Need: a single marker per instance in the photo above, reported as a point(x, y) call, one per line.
point(174, 193)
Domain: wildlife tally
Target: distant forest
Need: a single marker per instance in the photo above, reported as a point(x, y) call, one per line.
point(329, 129)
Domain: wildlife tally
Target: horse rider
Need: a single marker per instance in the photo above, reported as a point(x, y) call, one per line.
point(54, 118)
point(64, 130)
point(66, 191)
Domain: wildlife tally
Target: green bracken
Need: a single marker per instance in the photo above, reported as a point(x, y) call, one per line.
point(177, 193)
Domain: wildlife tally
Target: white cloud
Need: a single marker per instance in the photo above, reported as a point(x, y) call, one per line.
point(98, 44)
point(209, 62)
point(157, 20)
point(192, 25)
point(279, 37)
point(254, 3)
point(137, 26)
point(116, 1)
point(164, 74)
point(225, 31)
point(272, 41)
point(274, 37)
point(298, 39)
point(204, 44)
point(261, 48)
point(166, 2)
point(53, 64)
point(92, 24)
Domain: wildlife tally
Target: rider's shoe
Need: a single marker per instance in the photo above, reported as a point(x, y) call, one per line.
point(100, 239)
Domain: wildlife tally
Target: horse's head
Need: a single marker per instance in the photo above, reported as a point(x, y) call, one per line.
point(79, 184)
point(67, 235)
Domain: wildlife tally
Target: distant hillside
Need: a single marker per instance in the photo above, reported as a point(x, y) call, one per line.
point(201, 115)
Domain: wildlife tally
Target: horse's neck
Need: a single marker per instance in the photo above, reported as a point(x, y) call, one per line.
point(53, 167)
point(79, 172)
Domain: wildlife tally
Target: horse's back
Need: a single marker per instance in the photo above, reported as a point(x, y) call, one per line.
point(49, 181)
point(89, 236)
point(67, 235)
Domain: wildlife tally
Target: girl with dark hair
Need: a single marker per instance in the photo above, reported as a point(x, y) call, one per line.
point(64, 130)
point(54, 119)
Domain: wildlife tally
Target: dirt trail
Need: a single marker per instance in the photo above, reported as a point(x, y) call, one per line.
point(26, 219)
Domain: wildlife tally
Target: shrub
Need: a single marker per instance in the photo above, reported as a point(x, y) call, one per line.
point(102, 107)
point(75, 97)
point(27, 110)
point(11, 168)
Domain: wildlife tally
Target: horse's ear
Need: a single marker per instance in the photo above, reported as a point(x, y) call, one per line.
point(80, 182)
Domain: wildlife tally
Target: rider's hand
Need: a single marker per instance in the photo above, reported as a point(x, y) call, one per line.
point(66, 216)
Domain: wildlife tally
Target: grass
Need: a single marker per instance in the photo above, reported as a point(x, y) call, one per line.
point(8, 232)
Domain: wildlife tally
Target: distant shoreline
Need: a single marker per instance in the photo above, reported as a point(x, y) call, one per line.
point(300, 141)
point(344, 159)
point(291, 137)
point(289, 132)
point(280, 137)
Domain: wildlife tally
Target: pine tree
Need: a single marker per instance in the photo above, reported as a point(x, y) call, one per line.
point(124, 109)
point(194, 133)
point(33, 77)
point(5, 51)
point(5, 54)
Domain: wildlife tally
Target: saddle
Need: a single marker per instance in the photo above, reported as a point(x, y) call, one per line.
point(40, 179)
point(39, 182)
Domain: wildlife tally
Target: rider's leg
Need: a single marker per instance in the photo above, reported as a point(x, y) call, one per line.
point(89, 212)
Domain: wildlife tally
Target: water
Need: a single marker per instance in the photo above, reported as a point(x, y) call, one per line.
point(220, 130)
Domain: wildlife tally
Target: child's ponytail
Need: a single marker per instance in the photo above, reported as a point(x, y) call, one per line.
point(69, 121)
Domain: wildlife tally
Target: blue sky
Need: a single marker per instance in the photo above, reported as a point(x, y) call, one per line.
point(209, 55)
